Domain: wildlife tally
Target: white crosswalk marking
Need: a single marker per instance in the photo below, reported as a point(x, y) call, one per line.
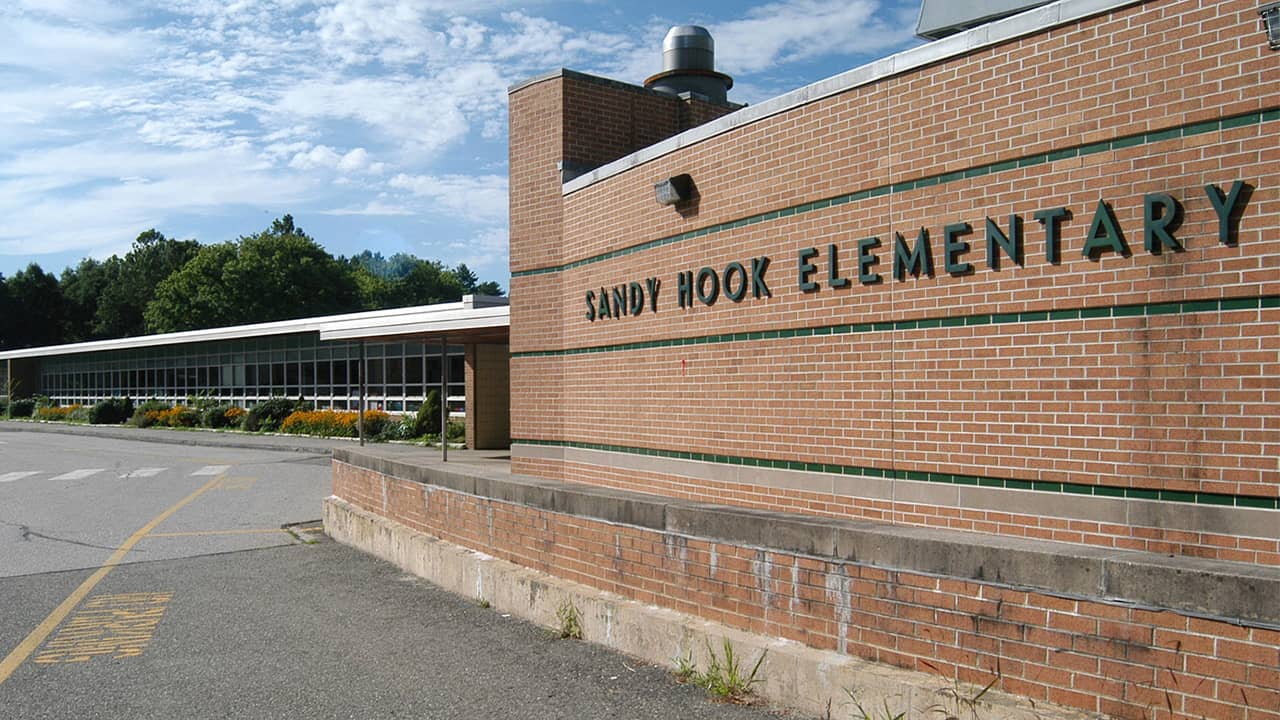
point(144, 472)
point(10, 477)
point(78, 474)
point(211, 470)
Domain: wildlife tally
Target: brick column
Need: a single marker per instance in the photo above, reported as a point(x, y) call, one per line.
point(488, 377)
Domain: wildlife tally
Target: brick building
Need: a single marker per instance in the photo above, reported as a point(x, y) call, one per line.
point(965, 361)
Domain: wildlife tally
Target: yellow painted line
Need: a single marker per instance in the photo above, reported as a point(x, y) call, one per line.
point(44, 629)
point(202, 533)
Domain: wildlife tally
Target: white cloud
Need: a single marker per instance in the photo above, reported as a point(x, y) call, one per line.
point(795, 30)
point(394, 32)
point(487, 248)
point(480, 198)
point(325, 157)
point(373, 207)
point(45, 47)
point(409, 111)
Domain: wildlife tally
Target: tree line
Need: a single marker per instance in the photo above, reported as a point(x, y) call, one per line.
point(167, 285)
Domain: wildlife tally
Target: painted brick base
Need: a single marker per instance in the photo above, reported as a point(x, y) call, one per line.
point(1111, 658)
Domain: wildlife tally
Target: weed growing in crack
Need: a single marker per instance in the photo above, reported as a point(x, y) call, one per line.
point(570, 621)
point(726, 677)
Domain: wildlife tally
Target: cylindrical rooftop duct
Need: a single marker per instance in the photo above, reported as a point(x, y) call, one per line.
point(688, 47)
point(689, 66)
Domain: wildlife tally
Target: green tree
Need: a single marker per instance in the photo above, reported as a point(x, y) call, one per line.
point(151, 260)
point(6, 317)
point(35, 312)
point(82, 288)
point(427, 283)
point(489, 288)
point(278, 274)
point(374, 291)
point(466, 278)
point(394, 268)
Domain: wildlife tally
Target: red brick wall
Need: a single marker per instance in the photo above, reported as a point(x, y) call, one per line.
point(1184, 402)
point(1100, 657)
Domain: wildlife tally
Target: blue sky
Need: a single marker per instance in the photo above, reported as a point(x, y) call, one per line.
point(378, 124)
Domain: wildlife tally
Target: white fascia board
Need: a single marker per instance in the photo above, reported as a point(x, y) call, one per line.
point(460, 321)
point(372, 320)
point(1029, 22)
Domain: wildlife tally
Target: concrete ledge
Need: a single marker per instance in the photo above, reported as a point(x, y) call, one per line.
point(795, 676)
point(1233, 592)
point(1252, 522)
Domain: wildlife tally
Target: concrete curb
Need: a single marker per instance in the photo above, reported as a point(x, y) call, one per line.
point(795, 676)
point(199, 438)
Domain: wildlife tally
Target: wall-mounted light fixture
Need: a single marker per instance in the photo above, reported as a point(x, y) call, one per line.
point(673, 190)
point(1271, 23)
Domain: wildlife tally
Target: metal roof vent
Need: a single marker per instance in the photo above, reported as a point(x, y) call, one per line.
point(689, 66)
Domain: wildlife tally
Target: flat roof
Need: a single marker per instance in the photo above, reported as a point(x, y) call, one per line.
point(476, 317)
point(993, 33)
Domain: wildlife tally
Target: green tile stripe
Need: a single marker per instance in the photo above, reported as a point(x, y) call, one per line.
point(1088, 313)
point(1198, 128)
point(1245, 501)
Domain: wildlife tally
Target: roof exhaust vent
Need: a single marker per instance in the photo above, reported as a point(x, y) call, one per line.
point(689, 66)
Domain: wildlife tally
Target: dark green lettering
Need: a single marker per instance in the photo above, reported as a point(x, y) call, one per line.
point(758, 267)
point(807, 269)
point(1226, 207)
point(866, 259)
point(1104, 233)
point(953, 248)
point(591, 305)
point(1161, 215)
point(684, 288)
point(1011, 243)
point(619, 295)
point(918, 260)
point(833, 268)
point(708, 295)
point(1051, 219)
point(603, 310)
point(730, 270)
point(653, 283)
point(635, 293)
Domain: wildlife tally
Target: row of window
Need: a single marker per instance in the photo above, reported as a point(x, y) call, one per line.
point(397, 377)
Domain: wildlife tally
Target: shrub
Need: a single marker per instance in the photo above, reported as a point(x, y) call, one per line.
point(375, 423)
point(235, 416)
point(51, 412)
point(79, 414)
point(110, 412)
point(217, 416)
point(401, 429)
point(334, 423)
point(4, 406)
point(269, 414)
point(22, 408)
point(457, 432)
point(145, 415)
point(427, 421)
point(177, 416)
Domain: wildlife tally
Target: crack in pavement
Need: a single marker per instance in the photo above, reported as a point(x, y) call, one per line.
point(28, 533)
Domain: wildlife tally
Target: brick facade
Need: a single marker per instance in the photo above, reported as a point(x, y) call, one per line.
point(1146, 376)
